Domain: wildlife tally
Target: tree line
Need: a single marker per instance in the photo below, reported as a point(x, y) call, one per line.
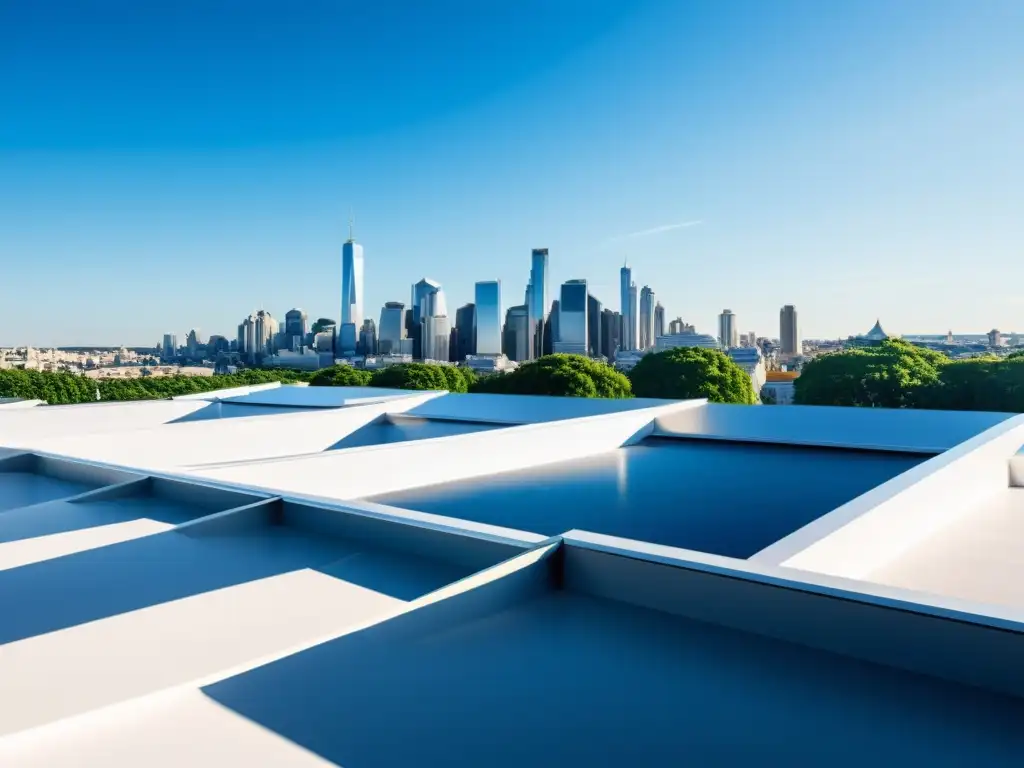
point(678, 373)
point(62, 388)
point(895, 374)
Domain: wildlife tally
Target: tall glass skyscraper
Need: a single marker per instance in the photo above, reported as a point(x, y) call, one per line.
point(426, 298)
point(646, 340)
point(352, 283)
point(488, 318)
point(572, 318)
point(627, 307)
point(392, 328)
point(538, 299)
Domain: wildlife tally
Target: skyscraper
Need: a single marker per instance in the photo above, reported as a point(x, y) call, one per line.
point(516, 335)
point(611, 327)
point(170, 346)
point(572, 318)
point(627, 309)
point(392, 328)
point(423, 300)
point(265, 329)
point(594, 327)
point(351, 293)
point(538, 299)
point(295, 322)
point(487, 335)
point(463, 332)
point(728, 336)
point(789, 333)
point(352, 281)
point(367, 338)
point(659, 320)
point(437, 332)
point(646, 340)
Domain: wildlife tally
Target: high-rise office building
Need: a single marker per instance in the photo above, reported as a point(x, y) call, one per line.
point(572, 336)
point(264, 328)
point(170, 346)
point(352, 282)
point(487, 334)
point(634, 322)
point(437, 333)
point(516, 334)
point(659, 320)
point(646, 322)
point(424, 300)
point(789, 333)
point(295, 327)
point(463, 332)
point(367, 344)
point(728, 336)
point(611, 327)
point(392, 328)
point(627, 309)
point(594, 327)
point(193, 343)
point(551, 329)
point(538, 300)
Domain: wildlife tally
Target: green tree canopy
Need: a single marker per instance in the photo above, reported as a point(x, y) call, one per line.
point(560, 375)
point(416, 376)
point(893, 374)
point(341, 376)
point(692, 372)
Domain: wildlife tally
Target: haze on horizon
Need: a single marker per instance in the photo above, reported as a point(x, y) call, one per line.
point(176, 167)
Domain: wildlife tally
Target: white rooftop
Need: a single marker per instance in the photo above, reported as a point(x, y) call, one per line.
point(317, 576)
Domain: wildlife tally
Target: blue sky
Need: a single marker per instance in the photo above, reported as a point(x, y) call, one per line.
point(166, 166)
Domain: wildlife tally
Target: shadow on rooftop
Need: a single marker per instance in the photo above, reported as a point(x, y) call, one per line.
point(224, 550)
point(220, 410)
point(146, 498)
point(399, 429)
point(521, 672)
point(731, 499)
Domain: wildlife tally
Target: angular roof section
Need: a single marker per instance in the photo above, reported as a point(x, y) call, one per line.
point(227, 588)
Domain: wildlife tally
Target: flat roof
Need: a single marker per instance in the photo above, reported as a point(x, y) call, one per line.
point(701, 495)
point(454, 679)
point(751, 585)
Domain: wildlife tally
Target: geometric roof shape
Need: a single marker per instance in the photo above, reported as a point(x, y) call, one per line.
point(876, 333)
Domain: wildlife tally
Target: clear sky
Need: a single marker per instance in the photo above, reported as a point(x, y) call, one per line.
point(174, 165)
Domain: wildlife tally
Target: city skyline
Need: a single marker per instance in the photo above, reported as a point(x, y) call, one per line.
point(869, 167)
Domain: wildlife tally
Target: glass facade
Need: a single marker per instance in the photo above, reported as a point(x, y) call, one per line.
point(572, 318)
point(627, 300)
point(352, 284)
point(488, 318)
point(392, 328)
point(538, 299)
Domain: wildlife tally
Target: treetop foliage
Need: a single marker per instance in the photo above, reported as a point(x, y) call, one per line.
point(692, 372)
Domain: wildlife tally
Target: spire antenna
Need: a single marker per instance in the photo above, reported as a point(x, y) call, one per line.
point(351, 225)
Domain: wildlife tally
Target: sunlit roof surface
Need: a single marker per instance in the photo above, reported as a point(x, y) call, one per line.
point(294, 576)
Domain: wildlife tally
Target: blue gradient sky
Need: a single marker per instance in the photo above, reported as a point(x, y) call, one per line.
point(164, 166)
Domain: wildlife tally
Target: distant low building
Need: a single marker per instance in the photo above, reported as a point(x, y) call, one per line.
point(779, 388)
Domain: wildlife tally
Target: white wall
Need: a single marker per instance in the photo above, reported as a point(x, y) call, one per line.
point(399, 466)
point(877, 527)
point(175, 446)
